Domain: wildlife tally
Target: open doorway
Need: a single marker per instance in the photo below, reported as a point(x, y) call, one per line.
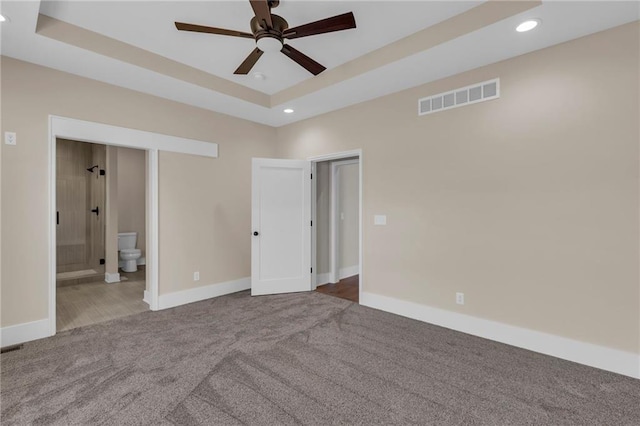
point(100, 233)
point(337, 230)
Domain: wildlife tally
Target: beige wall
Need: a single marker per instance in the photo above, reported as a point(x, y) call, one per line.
point(528, 204)
point(199, 198)
point(132, 173)
point(348, 206)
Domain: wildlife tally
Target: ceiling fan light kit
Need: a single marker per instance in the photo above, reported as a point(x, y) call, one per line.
point(269, 44)
point(270, 31)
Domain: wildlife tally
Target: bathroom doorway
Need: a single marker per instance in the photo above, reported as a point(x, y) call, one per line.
point(100, 208)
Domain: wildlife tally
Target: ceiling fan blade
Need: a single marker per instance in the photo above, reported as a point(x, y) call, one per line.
point(303, 60)
point(248, 63)
point(211, 30)
point(262, 11)
point(336, 23)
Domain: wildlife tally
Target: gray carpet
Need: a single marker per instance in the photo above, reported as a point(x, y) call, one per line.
point(298, 358)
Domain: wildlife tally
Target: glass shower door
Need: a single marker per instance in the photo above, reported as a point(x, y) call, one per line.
point(80, 202)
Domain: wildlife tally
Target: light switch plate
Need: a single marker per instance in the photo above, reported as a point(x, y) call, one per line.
point(10, 138)
point(380, 219)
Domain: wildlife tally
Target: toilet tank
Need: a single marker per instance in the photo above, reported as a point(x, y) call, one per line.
point(127, 240)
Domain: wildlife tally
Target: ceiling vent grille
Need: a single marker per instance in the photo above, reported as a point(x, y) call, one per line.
point(473, 94)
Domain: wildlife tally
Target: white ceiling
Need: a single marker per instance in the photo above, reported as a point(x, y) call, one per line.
point(149, 25)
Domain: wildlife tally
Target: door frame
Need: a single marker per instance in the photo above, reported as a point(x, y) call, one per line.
point(330, 157)
point(153, 143)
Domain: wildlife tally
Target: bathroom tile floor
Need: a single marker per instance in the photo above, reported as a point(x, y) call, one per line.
point(90, 303)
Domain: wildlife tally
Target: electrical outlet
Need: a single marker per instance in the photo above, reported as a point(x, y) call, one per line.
point(10, 138)
point(460, 298)
point(196, 276)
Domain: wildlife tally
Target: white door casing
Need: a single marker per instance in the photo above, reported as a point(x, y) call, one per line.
point(281, 226)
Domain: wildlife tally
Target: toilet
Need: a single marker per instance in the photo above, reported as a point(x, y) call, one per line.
point(128, 251)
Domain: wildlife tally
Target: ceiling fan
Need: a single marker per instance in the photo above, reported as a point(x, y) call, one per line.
point(270, 31)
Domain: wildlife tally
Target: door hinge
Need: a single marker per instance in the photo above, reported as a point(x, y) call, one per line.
point(312, 270)
point(311, 175)
point(311, 223)
point(102, 261)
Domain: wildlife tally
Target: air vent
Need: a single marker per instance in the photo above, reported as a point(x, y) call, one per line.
point(11, 348)
point(475, 93)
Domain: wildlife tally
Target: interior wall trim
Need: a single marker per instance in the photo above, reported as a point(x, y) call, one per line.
point(112, 278)
point(197, 294)
point(152, 206)
point(86, 131)
point(602, 357)
point(25, 332)
point(322, 279)
point(348, 271)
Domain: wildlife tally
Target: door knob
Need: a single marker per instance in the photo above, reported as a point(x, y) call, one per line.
point(96, 211)
point(255, 233)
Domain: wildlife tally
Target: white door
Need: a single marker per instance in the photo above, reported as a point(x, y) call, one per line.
point(281, 226)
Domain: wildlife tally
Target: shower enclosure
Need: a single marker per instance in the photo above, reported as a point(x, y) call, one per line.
point(80, 205)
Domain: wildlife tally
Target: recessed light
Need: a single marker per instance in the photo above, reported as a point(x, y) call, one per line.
point(288, 111)
point(3, 18)
point(528, 25)
point(259, 76)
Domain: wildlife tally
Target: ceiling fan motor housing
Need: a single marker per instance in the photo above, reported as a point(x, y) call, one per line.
point(259, 28)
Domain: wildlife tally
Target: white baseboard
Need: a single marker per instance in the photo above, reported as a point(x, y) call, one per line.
point(322, 279)
point(617, 361)
point(197, 294)
point(112, 278)
point(21, 333)
point(349, 271)
point(147, 297)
